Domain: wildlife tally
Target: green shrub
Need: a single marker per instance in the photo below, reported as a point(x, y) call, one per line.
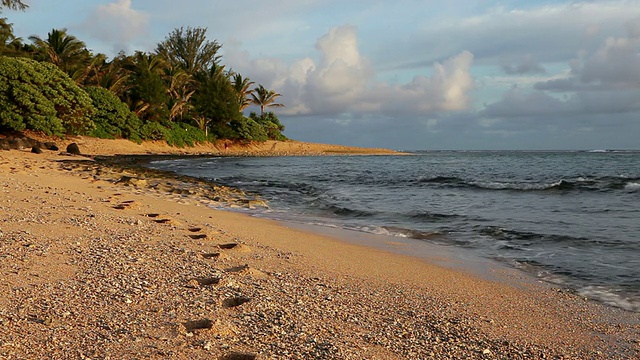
point(271, 125)
point(39, 96)
point(248, 129)
point(181, 134)
point(153, 131)
point(222, 131)
point(112, 118)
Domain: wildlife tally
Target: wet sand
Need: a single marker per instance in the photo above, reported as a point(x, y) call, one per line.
point(96, 268)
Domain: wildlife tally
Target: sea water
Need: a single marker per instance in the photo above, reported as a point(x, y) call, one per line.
point(572, 218)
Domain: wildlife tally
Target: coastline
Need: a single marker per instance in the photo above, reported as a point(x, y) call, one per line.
point(108, 147)
point(307, 294)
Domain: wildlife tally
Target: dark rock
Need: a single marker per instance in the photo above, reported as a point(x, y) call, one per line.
point(4, 144)
point(16, 144)
point(29, 142)
point(73, 149)
point(36, 150)
point(51, 146)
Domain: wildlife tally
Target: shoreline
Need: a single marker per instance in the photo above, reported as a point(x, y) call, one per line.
point(120, 147)
point(306, 294)
point(114, 168)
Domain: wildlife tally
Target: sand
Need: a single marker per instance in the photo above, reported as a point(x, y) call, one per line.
point(96, 269)
point(94, 146)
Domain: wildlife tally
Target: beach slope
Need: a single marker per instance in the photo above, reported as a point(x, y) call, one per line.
point(104, 269)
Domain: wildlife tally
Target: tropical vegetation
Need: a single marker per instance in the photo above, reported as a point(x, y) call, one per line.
point(181, 92)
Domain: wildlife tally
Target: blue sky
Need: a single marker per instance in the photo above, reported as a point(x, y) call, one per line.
point(404, 74)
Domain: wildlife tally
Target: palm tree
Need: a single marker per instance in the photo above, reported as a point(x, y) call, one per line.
point(264, 98)
point(63, 50)
point(181, 87)
point(13, 4)
point(242, 85)
point(147, 93)
point(98, 72)
point(9, 44)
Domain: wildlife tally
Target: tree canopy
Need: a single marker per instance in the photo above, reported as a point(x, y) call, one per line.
point(181, 92)
point(189, 50)
point(13, 4)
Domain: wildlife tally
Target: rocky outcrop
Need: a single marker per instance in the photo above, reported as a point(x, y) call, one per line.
point(25, 142)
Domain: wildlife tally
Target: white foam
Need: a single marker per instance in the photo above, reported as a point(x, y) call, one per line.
point(632, 186)
point(611, 298)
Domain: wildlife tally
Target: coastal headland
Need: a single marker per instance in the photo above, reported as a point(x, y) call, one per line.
point(106, 261)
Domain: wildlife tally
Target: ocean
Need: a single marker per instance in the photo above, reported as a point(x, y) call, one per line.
point(570, 218)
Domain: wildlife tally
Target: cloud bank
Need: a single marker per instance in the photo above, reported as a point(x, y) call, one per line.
point(342, 81)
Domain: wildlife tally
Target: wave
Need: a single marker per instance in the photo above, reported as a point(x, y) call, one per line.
point(516, 236)
point(600, 184)
point(347, 212)
point(617, 296)
point(611, 297)
point(408, 233)
point(431, 217)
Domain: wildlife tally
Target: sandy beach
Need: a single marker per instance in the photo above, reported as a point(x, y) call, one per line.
point(95, 267)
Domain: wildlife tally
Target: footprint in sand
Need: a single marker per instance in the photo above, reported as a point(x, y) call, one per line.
point(196, 236)
point(239, 356)
point(162, 219)
point(201, 324)
point(235, 301)
point(214, 256)
point(203, 281)
point(129, 204)
point(235, 247)
point(246, 270)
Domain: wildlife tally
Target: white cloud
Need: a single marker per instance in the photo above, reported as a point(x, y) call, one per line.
point(343, 81)
point(117, 24)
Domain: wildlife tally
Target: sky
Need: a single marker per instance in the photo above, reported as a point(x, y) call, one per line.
point(404, 74)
